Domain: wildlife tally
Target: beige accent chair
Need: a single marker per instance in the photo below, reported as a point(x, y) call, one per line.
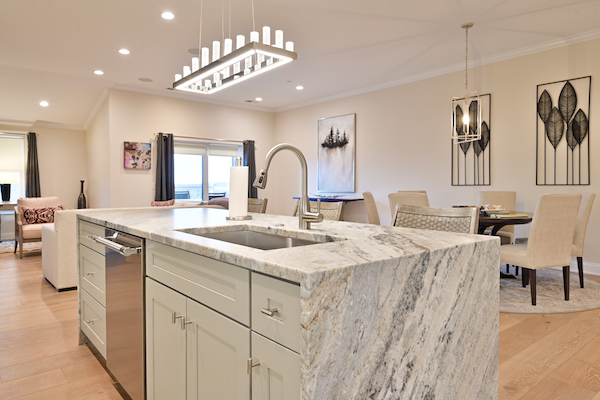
point(587, 201)
point(415, 198)
point(331, 210)
point(508, 200)
point(30, 232)
point(257, 205)
point(550, 240)
point(460, 220)
point(372, 213)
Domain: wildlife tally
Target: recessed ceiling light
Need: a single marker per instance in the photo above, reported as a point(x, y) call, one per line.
point(145, 79)
point(98, 72)
point(44, 103)
point(258, 99)
point(167, 15)
point(299, 87)
point(124, 51)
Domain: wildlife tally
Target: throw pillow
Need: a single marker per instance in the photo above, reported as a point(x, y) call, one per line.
point(162, 203)
point(39, 215)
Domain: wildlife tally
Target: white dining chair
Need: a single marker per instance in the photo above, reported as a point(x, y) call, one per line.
point(372, 213)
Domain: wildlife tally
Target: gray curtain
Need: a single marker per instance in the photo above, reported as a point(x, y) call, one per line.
point(250, 162)
point(32, 174)
point(165, 168)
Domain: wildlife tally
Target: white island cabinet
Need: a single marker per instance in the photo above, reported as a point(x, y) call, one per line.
point(197, 349)
point(359, 311)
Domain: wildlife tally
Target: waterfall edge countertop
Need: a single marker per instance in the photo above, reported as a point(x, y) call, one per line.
point(386, 312)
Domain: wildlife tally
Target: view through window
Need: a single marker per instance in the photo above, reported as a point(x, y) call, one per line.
point(202, 169)
point(12, 164)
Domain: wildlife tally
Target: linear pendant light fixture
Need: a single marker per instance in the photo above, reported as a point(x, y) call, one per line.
point(235, 66)
point(466, 111)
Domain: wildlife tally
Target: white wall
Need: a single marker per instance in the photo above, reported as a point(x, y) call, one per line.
point(136, 117)
point(403, 136)
point(62, 164)
point(97, 188)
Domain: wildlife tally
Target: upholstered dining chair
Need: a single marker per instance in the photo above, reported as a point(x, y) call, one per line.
point(257, 205)
point(550, 240)
point(460, 220)
point(331, 210)
point(508, 200)
point(587, 201)
point(31, 232)
point(415, 198)
point(372, 213)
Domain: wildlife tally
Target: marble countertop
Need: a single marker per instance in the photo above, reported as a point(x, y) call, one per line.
point(347, 244)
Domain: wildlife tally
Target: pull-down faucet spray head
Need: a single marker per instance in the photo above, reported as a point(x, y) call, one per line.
point(261, 180)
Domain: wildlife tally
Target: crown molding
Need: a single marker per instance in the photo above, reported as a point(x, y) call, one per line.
point(96, 108)
point(177, 94)
point(524, 51)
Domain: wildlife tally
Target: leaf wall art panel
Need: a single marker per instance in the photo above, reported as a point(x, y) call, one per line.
point(471, 160)
point(562, 136)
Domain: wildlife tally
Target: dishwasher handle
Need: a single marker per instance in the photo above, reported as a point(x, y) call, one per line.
point(119, 248)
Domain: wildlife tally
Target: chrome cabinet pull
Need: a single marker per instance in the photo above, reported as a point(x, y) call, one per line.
point(90, 273)
point(184, 323)
point(269, 311)
point(252, 365)
point(89, 321)
point(175, 317)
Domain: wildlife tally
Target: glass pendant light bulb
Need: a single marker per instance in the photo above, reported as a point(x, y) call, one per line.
point(266, 35)
point(178, 77)
point(254, 36)
point(195, 64)
point(227, 46)
point(216, 50)
point(289, 46)
point(240, 41)
point(205, 56)
point(279, 39)
point(186, 70)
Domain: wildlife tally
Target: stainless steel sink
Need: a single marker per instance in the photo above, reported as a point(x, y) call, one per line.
point(257, 240)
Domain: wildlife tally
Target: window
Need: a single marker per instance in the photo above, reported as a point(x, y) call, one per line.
point(12, 164)
point(202, 169)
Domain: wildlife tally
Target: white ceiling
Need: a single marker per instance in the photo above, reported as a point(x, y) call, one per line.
point(50, 48)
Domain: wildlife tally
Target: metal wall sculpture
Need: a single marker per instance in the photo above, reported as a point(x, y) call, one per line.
point(471, 160)
point(562, 132)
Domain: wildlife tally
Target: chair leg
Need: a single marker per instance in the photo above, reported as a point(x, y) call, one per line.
point(516, 270)
point(533, 288)
point(16, 244)
point(566, 273)
point(507, 268)
point(524, 277)
point(21, 249)
point(580, 268)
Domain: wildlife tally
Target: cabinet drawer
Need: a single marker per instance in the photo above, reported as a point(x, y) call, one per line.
point(93, 321)
point(284, 325)
point(92, 273)
point(89, 229)
point(221, 286)
point(277, 377)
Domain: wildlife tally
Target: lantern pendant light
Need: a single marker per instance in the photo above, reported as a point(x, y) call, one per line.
point(466, 111)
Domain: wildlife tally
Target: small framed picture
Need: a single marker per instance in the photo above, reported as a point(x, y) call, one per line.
point(138, 155)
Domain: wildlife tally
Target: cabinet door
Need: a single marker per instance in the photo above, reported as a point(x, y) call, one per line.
point(277, 377)
point(165, 343)
point(218, 352)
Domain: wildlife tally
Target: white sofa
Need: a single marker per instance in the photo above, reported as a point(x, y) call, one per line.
point(59, 245)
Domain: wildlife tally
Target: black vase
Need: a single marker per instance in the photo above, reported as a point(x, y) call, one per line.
point(81, 201)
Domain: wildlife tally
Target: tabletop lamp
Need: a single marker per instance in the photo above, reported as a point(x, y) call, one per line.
point(6, 178)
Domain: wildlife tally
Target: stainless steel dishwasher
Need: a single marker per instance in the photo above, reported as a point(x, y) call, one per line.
point(125, 310)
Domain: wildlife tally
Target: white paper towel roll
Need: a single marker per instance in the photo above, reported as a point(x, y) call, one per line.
point(238, 192)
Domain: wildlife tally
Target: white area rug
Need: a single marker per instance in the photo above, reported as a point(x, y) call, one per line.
point(514, 298)
point(9, 246)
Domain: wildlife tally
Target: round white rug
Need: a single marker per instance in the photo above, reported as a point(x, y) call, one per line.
point(514, 298)
point(9, 246)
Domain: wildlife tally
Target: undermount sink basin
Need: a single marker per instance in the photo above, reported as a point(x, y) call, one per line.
point(256, 240)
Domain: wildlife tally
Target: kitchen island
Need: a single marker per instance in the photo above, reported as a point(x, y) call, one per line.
point(385, 313)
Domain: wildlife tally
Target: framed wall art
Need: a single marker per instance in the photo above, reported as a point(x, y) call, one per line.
point(562, 132)
point(137, 155)
point(337, 148)
point(471, 161)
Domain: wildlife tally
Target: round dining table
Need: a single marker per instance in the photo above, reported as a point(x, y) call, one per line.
point(498, 222)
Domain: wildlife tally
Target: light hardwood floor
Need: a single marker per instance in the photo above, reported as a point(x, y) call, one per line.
point(547, 357)
point(39, 353)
